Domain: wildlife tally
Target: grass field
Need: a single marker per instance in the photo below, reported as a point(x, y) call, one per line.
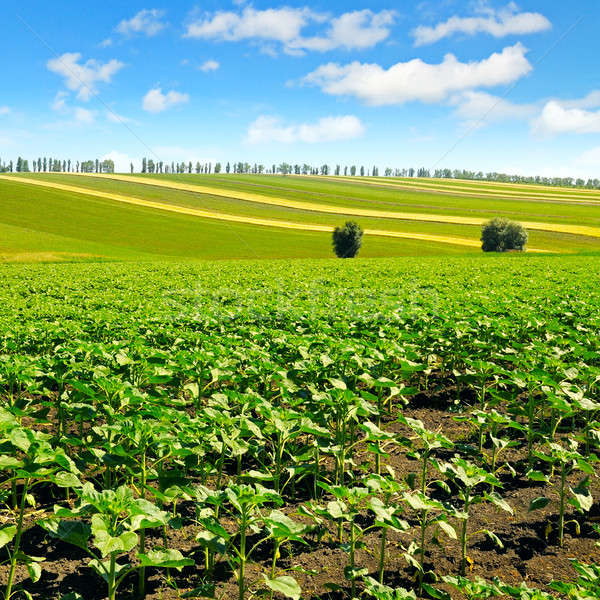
point(73, 217)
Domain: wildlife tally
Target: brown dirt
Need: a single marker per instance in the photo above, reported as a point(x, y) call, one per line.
point(530, 552)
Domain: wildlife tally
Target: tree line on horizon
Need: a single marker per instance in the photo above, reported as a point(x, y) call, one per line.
point(159, 167)
point(54, 165)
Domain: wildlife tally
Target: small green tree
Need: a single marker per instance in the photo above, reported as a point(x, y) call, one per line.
point(500, 235)
point(347, 240)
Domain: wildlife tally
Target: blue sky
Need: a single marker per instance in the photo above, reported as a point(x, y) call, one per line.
point(483, 85)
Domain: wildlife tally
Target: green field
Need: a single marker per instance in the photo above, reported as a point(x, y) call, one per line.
point(39, 223)
point(301, 429)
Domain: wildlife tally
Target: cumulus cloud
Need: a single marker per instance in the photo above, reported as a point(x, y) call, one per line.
point(472, 106)
point(209, 65)
point(499, 23)
point(353, 31)
point(155, 101)
point(83, 115)
point(328, 129)
point(417, 80)
point(147, 22)
point(285, 26)
point(558, 117)
point(82, 78)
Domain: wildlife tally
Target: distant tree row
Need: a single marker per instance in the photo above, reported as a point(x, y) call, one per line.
point(54, 165)
point(151, 166)
point(504, 178)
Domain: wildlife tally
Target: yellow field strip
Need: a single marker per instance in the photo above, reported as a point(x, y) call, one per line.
point(444, 186)
point(526, 187)
point(243, 219)
point(462, 190)
point(344, 210)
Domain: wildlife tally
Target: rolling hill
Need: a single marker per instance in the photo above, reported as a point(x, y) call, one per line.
point(88, 217)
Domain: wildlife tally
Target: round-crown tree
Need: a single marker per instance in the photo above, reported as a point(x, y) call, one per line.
point(501, 235)
point(347, 240)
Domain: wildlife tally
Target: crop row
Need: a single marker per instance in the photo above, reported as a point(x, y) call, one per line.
point(281, 422)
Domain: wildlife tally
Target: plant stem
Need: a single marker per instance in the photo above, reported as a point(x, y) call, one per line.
point(422, 547)
point(112, 587)
point(242, 573)
point(561, 517)
point(463, 534)
point(142, 571)
point(15, 553)
point(382, 554)
point(352, 544)
point(273, 564)
point(316, 477)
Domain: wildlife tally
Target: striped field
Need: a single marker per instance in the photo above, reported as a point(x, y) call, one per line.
point(240, 216)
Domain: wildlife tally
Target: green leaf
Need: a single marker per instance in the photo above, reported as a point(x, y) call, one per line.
point(170, 559)
point(338, 384)
point(498, 501)
point(10, 462)
point(447, 529)
point(537, 476)
point(18, 437)
point(284, 584)
point(538, 503)
point(7, 533)
point(73, 532)
point(214, 543)
point(66, 480)
point(435, 593)
point(34, 570)
point(494, 538)
point(582, 499)
point(354, 573)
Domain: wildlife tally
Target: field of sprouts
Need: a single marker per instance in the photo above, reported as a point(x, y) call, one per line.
point(316, 430)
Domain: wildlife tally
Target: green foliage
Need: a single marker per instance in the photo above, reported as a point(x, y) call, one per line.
point(501, 235)
point(347, 240)
point(184, 402)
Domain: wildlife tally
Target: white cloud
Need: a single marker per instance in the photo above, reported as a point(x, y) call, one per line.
point(4, 110)
point(499, 23)
point(285, 25)
point(83, 115)
point(122, 161)
point(114, 117)
point(592, 100)
point(417, 80)
point(147, 21)
point(328, 129)
point(60, 101)
point(353, 30)
point(155, 101)
point(105, 43)
point(473, 106)
point(557, 117)
point(209, 65)
point(82, 78)
point(77, 114)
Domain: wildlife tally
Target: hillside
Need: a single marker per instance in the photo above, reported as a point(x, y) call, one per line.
point(80, 217)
